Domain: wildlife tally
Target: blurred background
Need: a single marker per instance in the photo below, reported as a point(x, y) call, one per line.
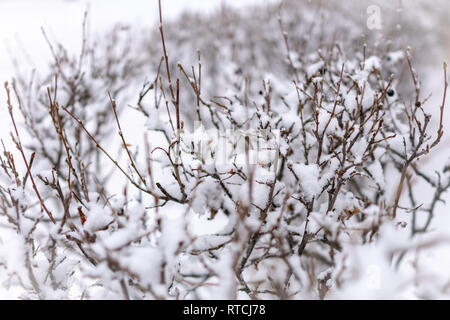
point(21, 20)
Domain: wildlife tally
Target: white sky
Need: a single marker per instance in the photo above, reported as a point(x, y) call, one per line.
point(21, 21)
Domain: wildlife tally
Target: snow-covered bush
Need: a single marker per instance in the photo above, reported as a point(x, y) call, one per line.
point(272, 165)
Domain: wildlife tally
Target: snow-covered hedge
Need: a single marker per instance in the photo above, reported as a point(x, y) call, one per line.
point(269, 163)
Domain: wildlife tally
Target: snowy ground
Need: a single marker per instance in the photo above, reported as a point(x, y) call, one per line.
point(20, 29)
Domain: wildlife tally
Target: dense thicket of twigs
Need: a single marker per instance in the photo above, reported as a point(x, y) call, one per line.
point(322, 141)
